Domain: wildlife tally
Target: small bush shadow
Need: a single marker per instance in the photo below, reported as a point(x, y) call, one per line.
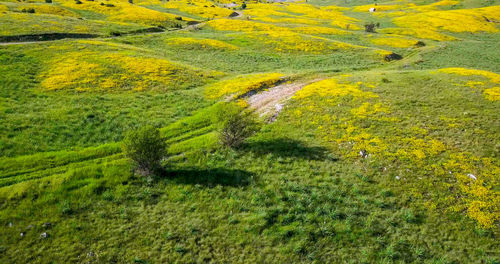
point(209, 177)
point(285, 147)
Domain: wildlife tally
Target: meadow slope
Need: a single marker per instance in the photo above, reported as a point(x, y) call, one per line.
point(380, 143)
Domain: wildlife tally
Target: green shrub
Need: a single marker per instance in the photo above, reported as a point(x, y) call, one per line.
point(370, 27)
point(235, 124)
point(28, 10)
point(146, 148)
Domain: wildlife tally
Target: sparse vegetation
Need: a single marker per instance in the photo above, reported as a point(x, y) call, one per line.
point(284, 134)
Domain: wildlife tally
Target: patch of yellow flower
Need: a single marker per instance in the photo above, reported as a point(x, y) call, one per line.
point(288, 20)
point(493, 77)
point(108, 44)
point(14, 23)
point(368, 109)
point(242, 84)
point(265, 10)
point(474, 84)
point(394, 42)
point(243, 26)
point(335, 17)
point(122, 11)
point(356, 139)
point(275, 14)
point(431, 7)
point(281, 38)
point(463, 20)
point(492, 94)
point(312, 30)
point(378, 8)
point(49, 9)
point(200, 8)
point(286, 41)
point(201, 43)
point(482, 202)
point(403, 9)
point(92, 71)
point(70, 72)
point(3, 8)
point(333, 88)
point(423, 33)
point(337, 111)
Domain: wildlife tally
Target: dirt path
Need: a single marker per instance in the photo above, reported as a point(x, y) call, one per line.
point(271, 102)
point(21, 43)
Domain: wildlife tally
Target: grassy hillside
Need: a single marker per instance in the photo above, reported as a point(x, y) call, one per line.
point(377, 147)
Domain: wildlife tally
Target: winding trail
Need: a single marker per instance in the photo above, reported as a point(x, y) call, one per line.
point(271, 101)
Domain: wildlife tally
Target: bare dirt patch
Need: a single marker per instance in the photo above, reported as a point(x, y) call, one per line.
point(271, 101)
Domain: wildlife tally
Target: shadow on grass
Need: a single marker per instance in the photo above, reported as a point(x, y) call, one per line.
point(284, 147)
point(209, 177)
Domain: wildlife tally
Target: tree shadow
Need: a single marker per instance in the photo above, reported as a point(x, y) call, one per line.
point(285, 147)
point(209, 177)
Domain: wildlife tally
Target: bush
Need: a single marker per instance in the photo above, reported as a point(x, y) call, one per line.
point(235, 124)
point(370, 27)
point(146, 148)
point(420, 44)
point(48, 1)
point(28, 10)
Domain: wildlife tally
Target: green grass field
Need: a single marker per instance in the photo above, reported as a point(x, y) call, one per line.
point(369, 159)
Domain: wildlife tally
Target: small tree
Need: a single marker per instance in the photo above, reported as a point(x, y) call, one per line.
point(235, 124)
point(146, 148)
point(370, 27)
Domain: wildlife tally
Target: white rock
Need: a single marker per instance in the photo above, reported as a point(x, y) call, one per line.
point(279, 107)
point(472, 176)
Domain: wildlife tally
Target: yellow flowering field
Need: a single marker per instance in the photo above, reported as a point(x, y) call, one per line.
point(492, 93)
point(201, 8)
point(3, 8)
point(337, 18)
point(124, 12)
point(421, 32)
point(49, 9)
point(242, 84)
point(404, 148)
point(276, 131)
point(493, 77)
point(94, 72)
point(281, 38)
point(316, 30)
point(24, 23)
point(332, 87)
point(394, 42)
point(464, 20)
point(201, 43)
